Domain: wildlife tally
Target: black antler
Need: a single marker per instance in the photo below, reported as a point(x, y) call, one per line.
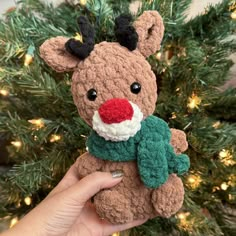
point(82, 48)
point(125, 33)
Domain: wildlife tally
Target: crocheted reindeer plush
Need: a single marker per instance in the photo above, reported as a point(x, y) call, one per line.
point(115, 92)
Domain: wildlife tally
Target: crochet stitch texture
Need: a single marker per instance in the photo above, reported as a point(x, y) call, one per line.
point(150, 147)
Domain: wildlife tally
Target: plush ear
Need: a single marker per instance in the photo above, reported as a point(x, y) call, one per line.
point(150, 29)
point(54, 53)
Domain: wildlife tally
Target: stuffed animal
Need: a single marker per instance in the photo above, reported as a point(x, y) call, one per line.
point(115, 92)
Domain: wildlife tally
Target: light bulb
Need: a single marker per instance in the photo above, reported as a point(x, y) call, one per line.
point(39, 123)
point(194, 101)
point(4, 92)
point(13, 222)
point(17, 144)
point(224, 186)
point(28, 201)
point(55, 138)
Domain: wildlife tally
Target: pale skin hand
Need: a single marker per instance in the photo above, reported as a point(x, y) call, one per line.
point(67, 211)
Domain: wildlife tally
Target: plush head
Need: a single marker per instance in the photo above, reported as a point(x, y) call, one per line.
point(111, 77)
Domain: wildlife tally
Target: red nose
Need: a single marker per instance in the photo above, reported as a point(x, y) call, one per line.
point(115, 110)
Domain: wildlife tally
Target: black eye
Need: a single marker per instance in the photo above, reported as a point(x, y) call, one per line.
point(92, 94)
point(135, 87)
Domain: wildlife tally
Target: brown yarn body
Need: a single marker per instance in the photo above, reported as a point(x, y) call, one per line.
point(110, 69)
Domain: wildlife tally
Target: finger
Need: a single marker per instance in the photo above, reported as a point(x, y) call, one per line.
point(87, 187)
point(109, 229)
point(70, 178)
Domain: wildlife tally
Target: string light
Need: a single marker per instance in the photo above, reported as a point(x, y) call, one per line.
point(116, 234)
point(224, 153)
point(215, 188)
point(39, 123)
point(224, 186)
point(173, 115)
point(194, 101)
point(54, 138)
point(182, 215)
point(194, 181)
point(83, 2)
point(216, 124)
point(28, 201)
point(4, 92)
point(29, 56)
point(232, 180)
point(17, 144)
point(78, 37)
point(233, 15)
point(158, 56)
point(226, 157)
point(13, 222)
point(18, 204)
point(184, 223)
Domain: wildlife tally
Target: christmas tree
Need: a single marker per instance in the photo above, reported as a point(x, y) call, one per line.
point(42, 133)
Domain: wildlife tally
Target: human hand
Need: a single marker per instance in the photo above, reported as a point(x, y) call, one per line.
point(67, 210)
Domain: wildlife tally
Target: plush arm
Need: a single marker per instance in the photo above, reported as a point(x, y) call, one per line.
point(178, 141)
point(87, 164)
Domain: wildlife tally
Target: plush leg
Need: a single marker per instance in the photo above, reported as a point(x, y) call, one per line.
point(168, 198)
point(113, 206)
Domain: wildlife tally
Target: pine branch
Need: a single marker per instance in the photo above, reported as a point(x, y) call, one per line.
point(224, 106)
point(213, 26)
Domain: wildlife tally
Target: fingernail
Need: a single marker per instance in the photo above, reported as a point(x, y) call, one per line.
point(117, 173)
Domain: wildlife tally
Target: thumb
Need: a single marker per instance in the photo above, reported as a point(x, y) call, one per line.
point(87, 187)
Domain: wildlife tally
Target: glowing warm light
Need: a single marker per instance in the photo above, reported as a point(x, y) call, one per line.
point(224, 153)
point(78, 37)
point(83, 2)
point(233, 15)
point(17, 144)
point(173, 115)
point(116, 234)
point(28, 60)
point(226, 157)
point(194, 101)
point(194, 181)
point(14, 221)
point(158, 56)
point(29, 56)
point(4, 92)
point(55, 138)
point(39, 123)
point(232, 180)
point(181, 216)
point(216, 125)
point(224, 186)
point(228, 162)
point(184, 223)
point(215, 188)
point(18, 204)
point(28, 201)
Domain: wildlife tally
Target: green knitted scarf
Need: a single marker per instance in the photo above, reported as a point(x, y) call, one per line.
point(150, 147)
